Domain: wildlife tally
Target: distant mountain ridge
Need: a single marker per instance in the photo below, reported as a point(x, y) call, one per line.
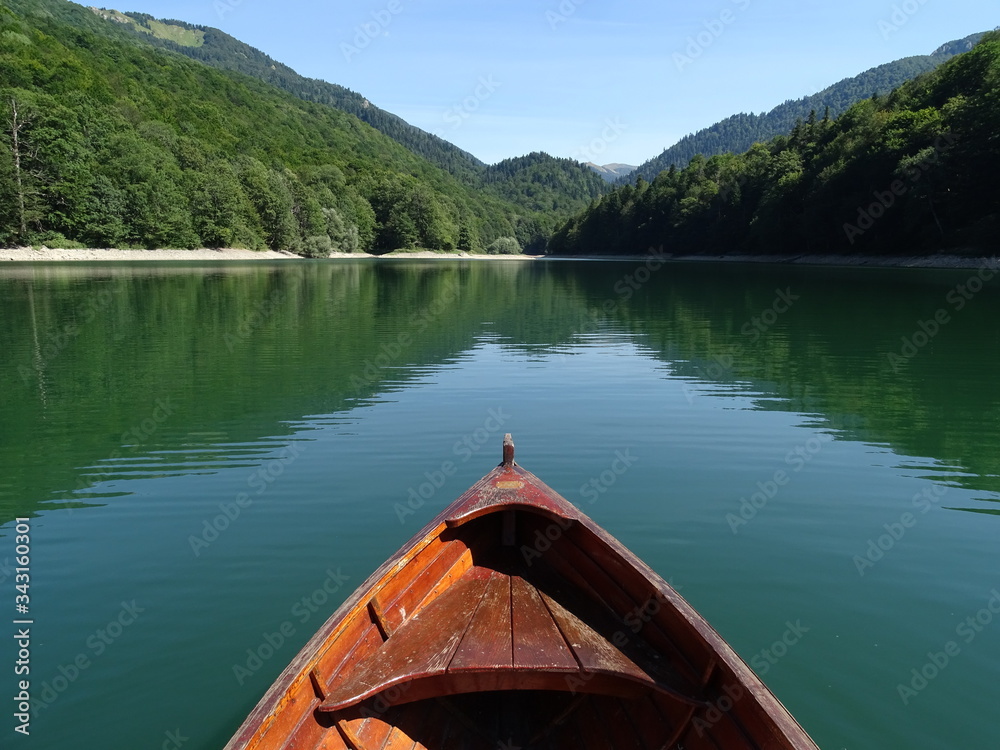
point(910, 173)
point(739, 132)
point(611, 172)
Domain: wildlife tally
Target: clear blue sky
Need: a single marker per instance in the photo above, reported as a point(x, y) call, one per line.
point(607, 80)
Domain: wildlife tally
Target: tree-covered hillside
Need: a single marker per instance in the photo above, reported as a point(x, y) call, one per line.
point(106, 141)
point(739, 132)
point(544, 183)
point(220, 50)
point(534, 190)
point(911, 172)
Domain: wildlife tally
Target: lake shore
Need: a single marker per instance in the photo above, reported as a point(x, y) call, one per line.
point(46, 254)
point(430, 254)
point(941, 260)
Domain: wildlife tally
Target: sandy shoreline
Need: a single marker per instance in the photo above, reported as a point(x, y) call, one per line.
point(44, 254)
point(942, 260)
point(47, 254)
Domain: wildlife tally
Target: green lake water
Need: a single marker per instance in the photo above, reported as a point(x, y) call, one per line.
point(212, 457)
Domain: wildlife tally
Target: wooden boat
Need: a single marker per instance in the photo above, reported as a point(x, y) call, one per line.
point(514, 621)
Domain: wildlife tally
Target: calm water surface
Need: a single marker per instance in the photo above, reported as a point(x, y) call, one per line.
point(213, 457)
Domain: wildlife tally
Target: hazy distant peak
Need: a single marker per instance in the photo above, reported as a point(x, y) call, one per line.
point(611, 172)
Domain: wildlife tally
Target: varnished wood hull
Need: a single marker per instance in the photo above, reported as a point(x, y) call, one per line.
point(513, 621)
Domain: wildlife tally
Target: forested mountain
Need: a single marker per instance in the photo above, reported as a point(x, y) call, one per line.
point(911, 172)
point(112, 135)
point(535, 190)
point(549, 184)
point(220, 50)
point(739, 132)
point(107, 141)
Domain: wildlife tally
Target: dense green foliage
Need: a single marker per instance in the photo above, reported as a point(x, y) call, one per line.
point(108, 141)
point(914, 170)
point(545, 182)
point(551, 189)
point(536, 183)
point(739, 132)
point(220, 50)
point(110, 135)
point(504, 246)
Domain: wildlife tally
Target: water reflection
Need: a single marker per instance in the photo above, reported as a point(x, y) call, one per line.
point(92, 352)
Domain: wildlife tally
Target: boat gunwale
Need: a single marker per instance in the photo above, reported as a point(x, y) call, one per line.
point(256, 726)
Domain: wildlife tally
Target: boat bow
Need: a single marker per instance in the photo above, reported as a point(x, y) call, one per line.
point(514, 610)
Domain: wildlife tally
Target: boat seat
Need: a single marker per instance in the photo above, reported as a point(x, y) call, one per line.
point(493, 631)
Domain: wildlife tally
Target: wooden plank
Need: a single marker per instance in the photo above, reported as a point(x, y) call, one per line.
point(331, 740)
point(398, 740)
point(508, 489)
point(333, 658)
point(593, 562)
point(578, 566)
point(414, 578)
point(727, 731)
point(375, 730)
point(348, 731)
point(674, 624)
point(487, 642)
point(592, 650)
point(421, 596)
point(445, 562)
point(746, 702)
point(423, 646)
point(366, 729)
point(599, 656)
point(285, 722)
point(310, 735)
point(369, 642)
point(538, 643)
point(576, 577)
point(409, 722)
